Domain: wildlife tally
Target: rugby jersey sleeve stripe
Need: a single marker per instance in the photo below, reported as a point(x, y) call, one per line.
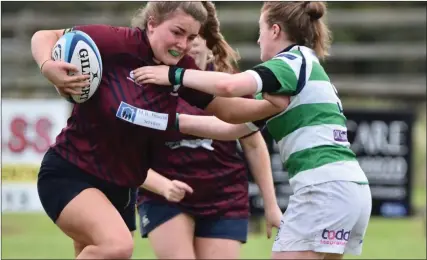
point(277, 77)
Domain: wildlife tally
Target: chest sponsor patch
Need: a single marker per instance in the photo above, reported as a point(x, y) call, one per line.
point(340, 136)
point(142, 117)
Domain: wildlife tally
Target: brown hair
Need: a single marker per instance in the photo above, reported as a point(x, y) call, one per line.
point(225, 57)
point(302, 23)
point(161, 10)
point(204, 12)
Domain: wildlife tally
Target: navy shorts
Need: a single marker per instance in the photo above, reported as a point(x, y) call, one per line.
point(154, 213)
point(60, 181)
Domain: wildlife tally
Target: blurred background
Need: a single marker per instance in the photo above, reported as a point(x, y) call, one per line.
point(377, 63)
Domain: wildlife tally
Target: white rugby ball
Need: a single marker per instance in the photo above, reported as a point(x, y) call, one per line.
point(76, 47)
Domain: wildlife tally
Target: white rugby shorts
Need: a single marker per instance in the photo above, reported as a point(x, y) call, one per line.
point(330, 217)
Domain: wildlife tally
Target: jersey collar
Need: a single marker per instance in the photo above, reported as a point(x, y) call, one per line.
point(287, 48)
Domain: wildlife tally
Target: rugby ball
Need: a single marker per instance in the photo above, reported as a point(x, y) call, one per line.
point(76, 47)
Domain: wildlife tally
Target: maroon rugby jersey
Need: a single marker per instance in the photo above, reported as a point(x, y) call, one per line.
point(214, 169)
point(101, 136)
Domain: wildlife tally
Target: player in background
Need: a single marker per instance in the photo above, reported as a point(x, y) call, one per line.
point(85, 179)
point(328, 213)
point(211, 221)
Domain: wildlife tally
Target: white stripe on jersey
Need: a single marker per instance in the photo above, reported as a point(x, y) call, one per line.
point(324, 136)
point(315, 92)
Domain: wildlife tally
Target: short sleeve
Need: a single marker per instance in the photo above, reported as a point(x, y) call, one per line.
point(279, 75)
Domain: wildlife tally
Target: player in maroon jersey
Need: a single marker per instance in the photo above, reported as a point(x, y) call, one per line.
point(211, 222)
point(85, 179)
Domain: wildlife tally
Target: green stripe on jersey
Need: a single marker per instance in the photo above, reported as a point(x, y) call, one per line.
point(284, 74)
point(318, 73)
point(315, 157)
point(305, 115)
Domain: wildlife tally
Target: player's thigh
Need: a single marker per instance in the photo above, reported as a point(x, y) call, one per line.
point(91, 219)
point(72, 200)
point(128, 215)
point(169, 230)
point(217, 248)
point(318, 219)
point(220, 238)
point(174, 238)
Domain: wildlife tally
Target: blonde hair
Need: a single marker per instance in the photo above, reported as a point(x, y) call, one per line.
point(302, 23)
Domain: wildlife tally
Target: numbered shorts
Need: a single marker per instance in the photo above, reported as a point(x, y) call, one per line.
point(330, 217)
point(152, 214)
point(59, 182)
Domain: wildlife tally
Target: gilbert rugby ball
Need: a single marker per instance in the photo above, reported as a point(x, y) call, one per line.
point(76, 47)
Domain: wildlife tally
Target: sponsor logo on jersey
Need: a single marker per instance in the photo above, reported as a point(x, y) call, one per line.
point(142, 117)
point(287, 56)
point(126, 112)
point(340, 135)
point(195, 143)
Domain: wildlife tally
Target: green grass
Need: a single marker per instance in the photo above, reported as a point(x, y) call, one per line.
point(35, 236)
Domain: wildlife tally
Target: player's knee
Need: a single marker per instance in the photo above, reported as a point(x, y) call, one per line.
point(121, 248)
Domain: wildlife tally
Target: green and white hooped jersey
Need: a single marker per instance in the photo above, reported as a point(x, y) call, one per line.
point(311, 132)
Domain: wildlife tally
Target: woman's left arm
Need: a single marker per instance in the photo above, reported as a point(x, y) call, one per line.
point(258, 157)
point(256, 153)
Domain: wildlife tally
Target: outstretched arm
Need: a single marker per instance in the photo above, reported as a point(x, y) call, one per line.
point(263, 78)
point(212, 82)
point(221, 84)
point(273, 76)
point(212, 127)
point(241, 110)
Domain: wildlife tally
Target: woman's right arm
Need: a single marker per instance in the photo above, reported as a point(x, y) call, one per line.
point(172, 190)
point(108, 39)
point(42, 43)
point(56, 72)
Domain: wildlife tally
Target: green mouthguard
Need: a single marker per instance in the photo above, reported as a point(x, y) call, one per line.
point(173, 53)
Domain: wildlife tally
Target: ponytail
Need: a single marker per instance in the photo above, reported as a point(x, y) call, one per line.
point(225, 57)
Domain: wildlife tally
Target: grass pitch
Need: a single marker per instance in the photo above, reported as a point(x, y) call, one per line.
point(26, 236)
